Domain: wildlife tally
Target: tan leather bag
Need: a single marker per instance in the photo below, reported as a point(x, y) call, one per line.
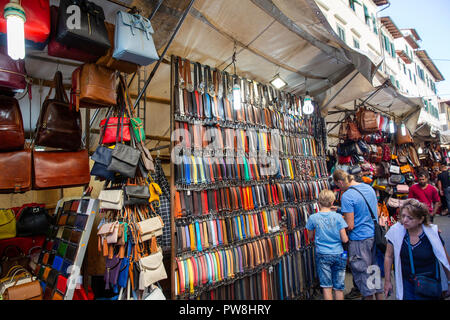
point(26, 291)
point(108, 61)
point(367, 121)
point(404, 139)
point(353, 132)
point(15, 170)
point(93, 86)
point(343, 130)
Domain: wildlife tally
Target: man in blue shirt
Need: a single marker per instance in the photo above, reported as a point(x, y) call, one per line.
point(361, 249)
point(331, 260)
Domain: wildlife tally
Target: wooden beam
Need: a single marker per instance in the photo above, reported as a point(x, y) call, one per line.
point(152, 99)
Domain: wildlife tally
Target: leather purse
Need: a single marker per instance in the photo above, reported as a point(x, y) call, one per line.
point(396, 179)
point(59, 125)
point(7, 224)
point(32, 221)
point(378, 186)
point(59, 169)
point(9, 261)
point(37, 25)
point(111, 63)
point(137, 195)
point(346, 149)
point(133, 39)
point(155, 192)
point(109, 132)
point(102, 157)
point(343, 130)
point(353, 132)
point(25, 291)
point(91, 36)
point(111, 199)
point(354, 169)
point(124, 160)
point(12, 134)
point(150, 228)
point(404, 139)
point(402, 159)
point(12, 73)
point(367, 121)
point(394, 203)
point(413, 156)
point(405, 168)
point(16, 275)
point(93, 86)
point(57, 49)
point(386, 153)
point(402, 188)
point(152, 270)
point(155, 293)
point(394, 169)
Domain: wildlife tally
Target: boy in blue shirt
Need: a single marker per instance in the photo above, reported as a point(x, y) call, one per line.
point(331, 260)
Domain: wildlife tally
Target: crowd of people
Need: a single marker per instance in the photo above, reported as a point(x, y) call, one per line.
point(345, 237)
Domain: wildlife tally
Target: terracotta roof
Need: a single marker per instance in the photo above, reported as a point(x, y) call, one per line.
point(391, 27)
point(412, 42)
point(402, 54)
point(423, 56)
point(381, 2)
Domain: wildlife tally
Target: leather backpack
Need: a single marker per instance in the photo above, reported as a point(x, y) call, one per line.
point(12, 135)
point(367, 120)
point(353, 132)
point(59, 125)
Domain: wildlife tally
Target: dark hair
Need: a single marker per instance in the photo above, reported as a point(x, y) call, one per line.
point(423, 173)
point(417, 209)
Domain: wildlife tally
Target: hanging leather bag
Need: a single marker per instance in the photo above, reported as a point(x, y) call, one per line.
point(109, 62)
point(353, 132)
point(133, 39)
point(37, 24)
point(367, 121)
point(12, 73)
point(404, 139)
point(59, 125)
point(12, 135)
point(93, 86)
point(343, 130)
point(15, 168)
point(32, 221)
point(90, 35)
point(57, 49)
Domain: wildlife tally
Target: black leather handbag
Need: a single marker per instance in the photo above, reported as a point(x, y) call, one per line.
point(33, 221)
point(347, 149)
point(90, 35)
point(136, 195)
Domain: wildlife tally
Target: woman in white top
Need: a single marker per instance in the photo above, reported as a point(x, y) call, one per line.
point(427, 250)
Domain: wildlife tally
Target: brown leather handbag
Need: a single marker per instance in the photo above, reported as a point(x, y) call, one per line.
point(353, 132)
point(343, 130)
point(15, 170)
point(93, 86)
point(59, 125)
point(26, 291)
point(59, 169)
point(12, 135)
point(108, 61)
point(404, 139)
point(367, 121)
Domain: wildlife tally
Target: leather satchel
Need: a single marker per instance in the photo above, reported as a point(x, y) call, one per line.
point(133, 39)
point(32, 221)
point(111, 199)
point(25, 291)
point(150, 228)
point(12, 73)
point(57, 169)
point(137, 195)
point(112, 63)
point(102, 157)
point(367, 121)
point(91, 36)
point(343, 130)
point(12, 135)
point(353, 132)
point(59, 125)
point(15, 168)
point(109, 132)
point(152, 270)
point(404, 139)
point(57, 49)
point(93, 86)
point(124, 160)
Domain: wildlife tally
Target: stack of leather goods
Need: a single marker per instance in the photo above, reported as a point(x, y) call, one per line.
point(246, 181)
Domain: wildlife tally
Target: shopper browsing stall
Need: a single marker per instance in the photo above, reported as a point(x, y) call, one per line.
point(425, 193)
point(329, 234)
point(416, 249)
point(444, 188)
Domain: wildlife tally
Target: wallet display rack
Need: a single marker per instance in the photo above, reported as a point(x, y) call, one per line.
point(244, 181)
point(61, 258)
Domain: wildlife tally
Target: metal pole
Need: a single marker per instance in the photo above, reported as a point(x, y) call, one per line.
point(162, 55)
point(155, 9)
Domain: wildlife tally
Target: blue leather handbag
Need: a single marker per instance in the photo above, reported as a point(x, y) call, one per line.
point(133, 39)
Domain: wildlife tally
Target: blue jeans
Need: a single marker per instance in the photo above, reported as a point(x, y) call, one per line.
point(331, 270)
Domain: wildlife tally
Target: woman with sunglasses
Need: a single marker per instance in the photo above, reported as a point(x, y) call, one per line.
point(419, 256)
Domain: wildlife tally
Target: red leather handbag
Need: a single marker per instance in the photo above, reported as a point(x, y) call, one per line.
point(12, 73)
point(344, 160)
point(37, 25)
point(108, 129)
point(57, 49)
point(386, 153)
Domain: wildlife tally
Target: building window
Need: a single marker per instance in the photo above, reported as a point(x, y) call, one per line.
point(351, 3)
point(404, 68)
point(392, 50)
point(341, 32)
point(410, 78)
point(415, 80)
point(366, 15)
point(356, 43)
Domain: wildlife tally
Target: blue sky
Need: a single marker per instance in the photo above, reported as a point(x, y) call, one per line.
point(431, 19)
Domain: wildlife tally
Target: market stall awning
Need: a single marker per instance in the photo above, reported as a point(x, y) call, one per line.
point(424, 133)
point(445, 137)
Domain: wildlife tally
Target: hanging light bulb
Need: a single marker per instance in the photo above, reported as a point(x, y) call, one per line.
point(403, 129)
point(308, 107)
point(236, 96)
point(420, 150)
point(278, 82)
point(15, 28)
point(391, 126)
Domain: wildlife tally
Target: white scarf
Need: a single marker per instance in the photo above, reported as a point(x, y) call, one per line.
point(396, 235)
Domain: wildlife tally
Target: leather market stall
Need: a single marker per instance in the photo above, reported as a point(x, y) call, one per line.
point(95, 124)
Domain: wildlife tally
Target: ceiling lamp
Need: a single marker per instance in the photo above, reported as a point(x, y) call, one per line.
point(277, 82)
point(15, 28)
point(308, 107)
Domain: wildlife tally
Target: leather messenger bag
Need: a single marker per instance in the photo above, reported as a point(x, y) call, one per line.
point(15, 169)
point(59, 169)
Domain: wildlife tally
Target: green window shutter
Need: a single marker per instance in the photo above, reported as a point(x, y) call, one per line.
point(393, 50)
